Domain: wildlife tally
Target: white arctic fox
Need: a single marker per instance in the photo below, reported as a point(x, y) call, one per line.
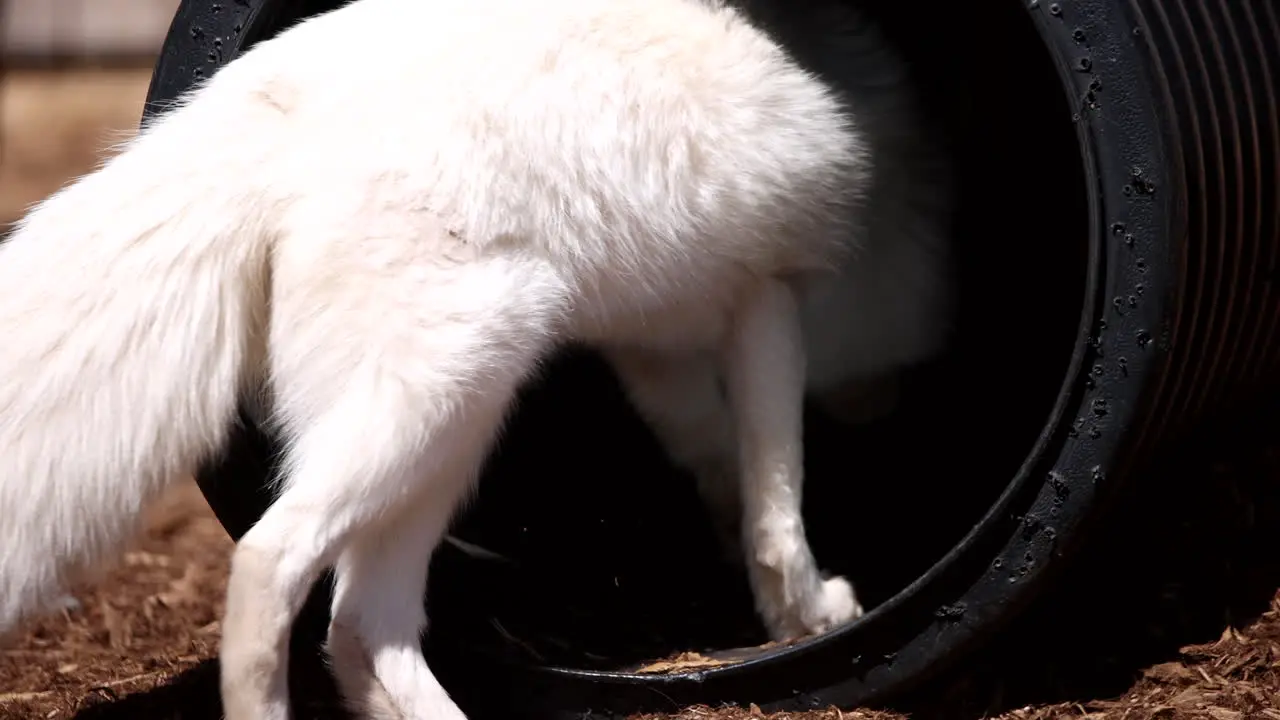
point(387, 238)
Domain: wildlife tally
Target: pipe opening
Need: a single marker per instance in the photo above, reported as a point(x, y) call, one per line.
point(603, 556)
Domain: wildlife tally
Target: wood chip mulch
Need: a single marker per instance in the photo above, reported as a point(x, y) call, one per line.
point(140, 642)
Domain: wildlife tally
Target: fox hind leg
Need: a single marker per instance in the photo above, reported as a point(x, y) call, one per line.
point(388, 403)
point(378, 617)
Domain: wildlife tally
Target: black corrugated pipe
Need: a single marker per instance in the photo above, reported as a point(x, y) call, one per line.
point(1118, 227)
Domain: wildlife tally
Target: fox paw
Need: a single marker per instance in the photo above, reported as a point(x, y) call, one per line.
point(832, 603)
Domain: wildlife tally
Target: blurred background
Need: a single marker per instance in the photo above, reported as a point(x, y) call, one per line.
point(73, 77)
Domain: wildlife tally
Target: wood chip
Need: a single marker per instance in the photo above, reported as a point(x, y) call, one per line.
point(679, 663)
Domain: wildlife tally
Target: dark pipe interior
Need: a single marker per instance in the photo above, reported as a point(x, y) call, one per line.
point(610, 561)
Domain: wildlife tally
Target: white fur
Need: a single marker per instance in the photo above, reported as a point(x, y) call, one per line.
point(386, 216)
point(887, 307)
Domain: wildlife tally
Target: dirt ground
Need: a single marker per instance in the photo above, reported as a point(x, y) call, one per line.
point(140, 642)
point(1175, 617)
point(54, 124)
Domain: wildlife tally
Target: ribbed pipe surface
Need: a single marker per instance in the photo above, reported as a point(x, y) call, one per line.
point(1217, 63)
